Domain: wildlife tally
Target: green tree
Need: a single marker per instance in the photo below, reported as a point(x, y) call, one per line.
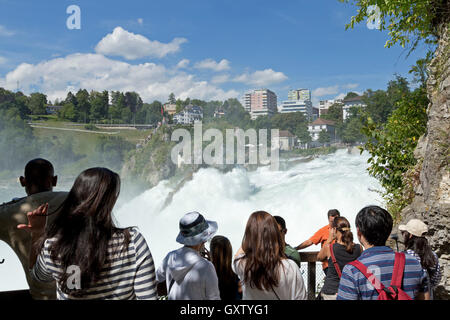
point(378, 106)
point(351, 95)
point(392, 145)
point(99, 105)
point(352, 131)
point(69, 112)
point(407, 21)
point(172, 99)
point(302, 134)
point(324, 137)
point(83, 104)
point(397, 89)
point(37, 103)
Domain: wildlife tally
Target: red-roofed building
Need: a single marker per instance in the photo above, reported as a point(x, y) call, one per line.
point(287, 140)
point(319, 125)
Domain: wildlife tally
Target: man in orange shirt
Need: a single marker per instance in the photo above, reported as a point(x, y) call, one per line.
point(321, 236)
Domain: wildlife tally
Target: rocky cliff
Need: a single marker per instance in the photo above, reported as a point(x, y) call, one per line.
point(431, 201)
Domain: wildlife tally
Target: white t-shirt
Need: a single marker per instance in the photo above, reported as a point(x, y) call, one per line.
point(290, 285)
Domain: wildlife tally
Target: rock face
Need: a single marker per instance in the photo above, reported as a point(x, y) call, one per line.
point(431, 201)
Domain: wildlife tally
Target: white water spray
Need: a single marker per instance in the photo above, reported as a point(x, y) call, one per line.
point(302, 195)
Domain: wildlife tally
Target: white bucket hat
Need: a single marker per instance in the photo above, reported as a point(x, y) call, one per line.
point(195, 229)
point(415, 227)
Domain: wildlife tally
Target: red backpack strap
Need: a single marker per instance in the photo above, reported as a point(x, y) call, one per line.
point(369, 275)
point(399, 266)
point(333, 258)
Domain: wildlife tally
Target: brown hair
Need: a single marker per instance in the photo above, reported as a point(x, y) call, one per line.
point(264, 250)
point(221, 254)
point(84, 227)
point(343, 226)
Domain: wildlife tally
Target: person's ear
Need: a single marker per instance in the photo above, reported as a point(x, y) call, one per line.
point(54, 181)
point(22, 181)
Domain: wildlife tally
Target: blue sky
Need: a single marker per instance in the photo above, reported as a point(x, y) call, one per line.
point(207, 49)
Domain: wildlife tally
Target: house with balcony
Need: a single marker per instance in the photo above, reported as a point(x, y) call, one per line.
point(320, 125)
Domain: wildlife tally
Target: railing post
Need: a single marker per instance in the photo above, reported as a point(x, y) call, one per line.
point(311, 259)
point(311, 280)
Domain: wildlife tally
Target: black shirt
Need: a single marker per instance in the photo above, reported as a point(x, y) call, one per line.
point(331, 284)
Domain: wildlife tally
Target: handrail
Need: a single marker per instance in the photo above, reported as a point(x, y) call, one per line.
point(308, 257)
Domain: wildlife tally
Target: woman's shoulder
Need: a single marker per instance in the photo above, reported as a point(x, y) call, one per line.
point(289, 263)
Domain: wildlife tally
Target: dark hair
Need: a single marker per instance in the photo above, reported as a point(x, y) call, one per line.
point(422, 248)
point(375, 224)
point(281, 222)
point(84, 227)
point(264, 250)
point(341, 223)
point(221, 253)
point(333, 213)
point(38, 172)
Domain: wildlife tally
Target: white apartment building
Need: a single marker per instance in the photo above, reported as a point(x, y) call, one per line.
point(351, 102)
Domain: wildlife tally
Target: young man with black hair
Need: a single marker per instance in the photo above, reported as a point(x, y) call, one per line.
point(374, 225)
point(38, 181)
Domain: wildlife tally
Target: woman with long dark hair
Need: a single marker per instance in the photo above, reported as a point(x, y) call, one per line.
point(417, 245)
point(339, 249)
point(262, 266)
point(221, 255)
point(83, 250)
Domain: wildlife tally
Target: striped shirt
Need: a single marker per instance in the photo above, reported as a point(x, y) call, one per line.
point(380, 261)
point(127, 274)
point(435, 274)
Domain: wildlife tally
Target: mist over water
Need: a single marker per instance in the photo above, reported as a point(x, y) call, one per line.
point(302, 195)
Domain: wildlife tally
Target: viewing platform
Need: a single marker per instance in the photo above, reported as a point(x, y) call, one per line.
point(308, 264)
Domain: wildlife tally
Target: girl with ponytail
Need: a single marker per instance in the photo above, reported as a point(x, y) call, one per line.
point(339, 249)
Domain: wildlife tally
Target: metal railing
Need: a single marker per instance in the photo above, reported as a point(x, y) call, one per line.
point(309, 266)
point(314, 277)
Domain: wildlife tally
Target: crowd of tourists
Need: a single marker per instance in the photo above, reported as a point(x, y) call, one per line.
point(70, 243)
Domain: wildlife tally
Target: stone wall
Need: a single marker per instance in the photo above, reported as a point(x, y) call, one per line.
point(432, 193)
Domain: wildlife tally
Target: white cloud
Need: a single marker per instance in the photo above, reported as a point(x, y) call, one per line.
point(134, 46)
point(224, 64)
point(5, 32)
point(261, 77)
point(140, 21)
point(56, 77)
point(350, 86)
point(220, 78)
point(325, 91)
point(183, 63)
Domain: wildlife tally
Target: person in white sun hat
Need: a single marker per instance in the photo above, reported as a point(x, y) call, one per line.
point(187, 275)
point(417, 245)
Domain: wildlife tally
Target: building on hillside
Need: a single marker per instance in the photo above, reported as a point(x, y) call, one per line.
point(315, 113)
point(52, 109)
point(303, 106)
point(324, 105)
point(351, 102)
point(170, 108)
point(319, 125)
point(298, 101)
point(299, 94)
point(219, 112)
point(189, 115)
point(287, 140)
point(261, 102)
